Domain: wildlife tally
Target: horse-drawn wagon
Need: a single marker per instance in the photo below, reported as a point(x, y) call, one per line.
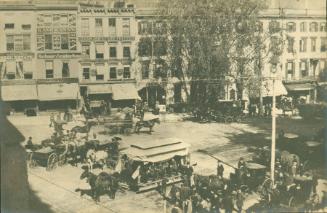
point(145, 165)
point(46, 157)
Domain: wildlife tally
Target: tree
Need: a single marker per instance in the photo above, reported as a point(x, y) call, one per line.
point(209, 40)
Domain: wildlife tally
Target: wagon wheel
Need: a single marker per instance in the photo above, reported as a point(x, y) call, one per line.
point(265, 187)
point(52, 162)
point(30, 161)
point(291, 202)
point(62, 160)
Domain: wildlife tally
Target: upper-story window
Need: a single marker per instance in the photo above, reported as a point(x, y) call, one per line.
point(145, 47)
point(313, 44)
point(9, 26)
point(26, 42)
point(85, 27)
point(126, 73)
point(126, 26)
point(112, 52)
point(145, 27)
point(18, 42)
point(86, 49)
point(159, 27)
point(303, 27)
point(112, 26)
point(126, 52)
point(145, 69)
point(64, 41)
point(26, 26)
point(98, 27)
point(323, 44)
point(86, 72)
point(99, 51)
point(65, 70)
point(49, 69)
point(323, 27)
point(274, 26)
point(291, 27)
point(63, 19)
point(289, 70)
point(303, 44)
point(10, 43)
point(290, 44)
point(313, 27)
point(112, 73)
point(304, 68)
point(48, 42)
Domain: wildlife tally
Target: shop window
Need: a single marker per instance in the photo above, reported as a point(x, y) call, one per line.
point(126, 52)
point(49, 69)
point(127, 73)
point(65, 70)
point(48, 42)
point(64, 42)
point(9, 26)
point(313, 27)
point(291, 27)
point(112, 26)
point(304, 68)
point(303, 44)
point(86, 73)
point(112, 52)
point(113, 73)
point(323, 44)
point(28, 76)
point(10, 43)
point(323, 27)
point(303, 27)
point(126, 27)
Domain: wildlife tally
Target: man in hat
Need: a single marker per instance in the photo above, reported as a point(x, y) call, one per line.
point(29, 143)
point(220, 170)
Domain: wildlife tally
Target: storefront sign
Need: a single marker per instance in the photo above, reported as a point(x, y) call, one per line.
point(58, 55)
point(17, 56)
point(108, 39)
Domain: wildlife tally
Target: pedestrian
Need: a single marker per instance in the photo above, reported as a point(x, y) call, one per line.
point(29, 143)
point(241, 163)
point(52, 120)
point(220, 170)
point(239, 200)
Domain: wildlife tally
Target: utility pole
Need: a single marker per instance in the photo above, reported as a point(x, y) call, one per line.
point(273, 135)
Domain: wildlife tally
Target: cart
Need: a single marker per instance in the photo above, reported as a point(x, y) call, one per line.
point(146, 165)
point(46, 157)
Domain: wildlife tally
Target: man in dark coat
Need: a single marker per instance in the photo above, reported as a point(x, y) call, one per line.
point(220, 170)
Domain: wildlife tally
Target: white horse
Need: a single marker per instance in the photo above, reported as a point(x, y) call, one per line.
point(96, 157)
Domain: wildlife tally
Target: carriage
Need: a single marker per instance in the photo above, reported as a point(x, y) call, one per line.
point(145, 165)
point(120, 122)
point(47, 157)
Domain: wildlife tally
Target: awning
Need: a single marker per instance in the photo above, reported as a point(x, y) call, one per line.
point(99, 89)
point(18, 92)
point(159, 150)
point(267, 88)
point(11, 67)
point(124, 92)
point(300, 87)
point(60, 91)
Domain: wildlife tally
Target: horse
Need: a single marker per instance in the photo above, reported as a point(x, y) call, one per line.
point(84, 129)
point(97, 158)
point(148, 124)
point(100, 184)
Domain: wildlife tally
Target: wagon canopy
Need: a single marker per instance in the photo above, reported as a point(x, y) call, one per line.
point(158, 150)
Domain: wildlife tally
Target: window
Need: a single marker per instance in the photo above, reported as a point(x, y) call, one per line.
point(290, 70)
point(26, 26)
point(49, 69)
point(313, 27)
point(64, 42)
point(127, 73)
point(304, 68)
point(291, 27)
point(145, 47)
point(86, 49)
point(99, 77)
point(86, 73)
point(303, 44)
point(10, 43)
point(145, 27)
point(9, 26)
point(323, 27)
point(28, 76)
point(274, 26)
point(99, 48)
point(112, 26)
point(98, 27)
point(160, 47)
point(85, 31)
point(126, 52)
point(259, 26)
point(48, 42)
point(290, 44)
point(63, 20)
point(303, 27)
point(145, 70)
point(112, 73)
point(313, 44)
point(65, 70)
point(323, 45)
point(10, 76)
point(112, 52)
point(126, 27)
point(26, 42)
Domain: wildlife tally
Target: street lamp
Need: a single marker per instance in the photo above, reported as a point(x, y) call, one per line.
point(273, 129)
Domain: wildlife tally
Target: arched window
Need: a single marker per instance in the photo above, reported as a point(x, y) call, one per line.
point(303, 27)
point(291, 27)
point(313, 27)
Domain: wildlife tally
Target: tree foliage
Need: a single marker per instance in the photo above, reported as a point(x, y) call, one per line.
point(209, 40)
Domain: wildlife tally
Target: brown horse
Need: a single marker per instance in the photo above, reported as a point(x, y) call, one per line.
point(147, 124)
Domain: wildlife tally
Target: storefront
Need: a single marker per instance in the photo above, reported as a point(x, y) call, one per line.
point(124, 95)
point(153, 93)
point(306, 91)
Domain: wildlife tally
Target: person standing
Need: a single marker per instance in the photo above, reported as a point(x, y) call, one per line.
point(239, 200)
point(220, 170)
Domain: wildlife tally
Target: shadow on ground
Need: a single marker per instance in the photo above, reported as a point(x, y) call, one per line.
point(16, 195)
